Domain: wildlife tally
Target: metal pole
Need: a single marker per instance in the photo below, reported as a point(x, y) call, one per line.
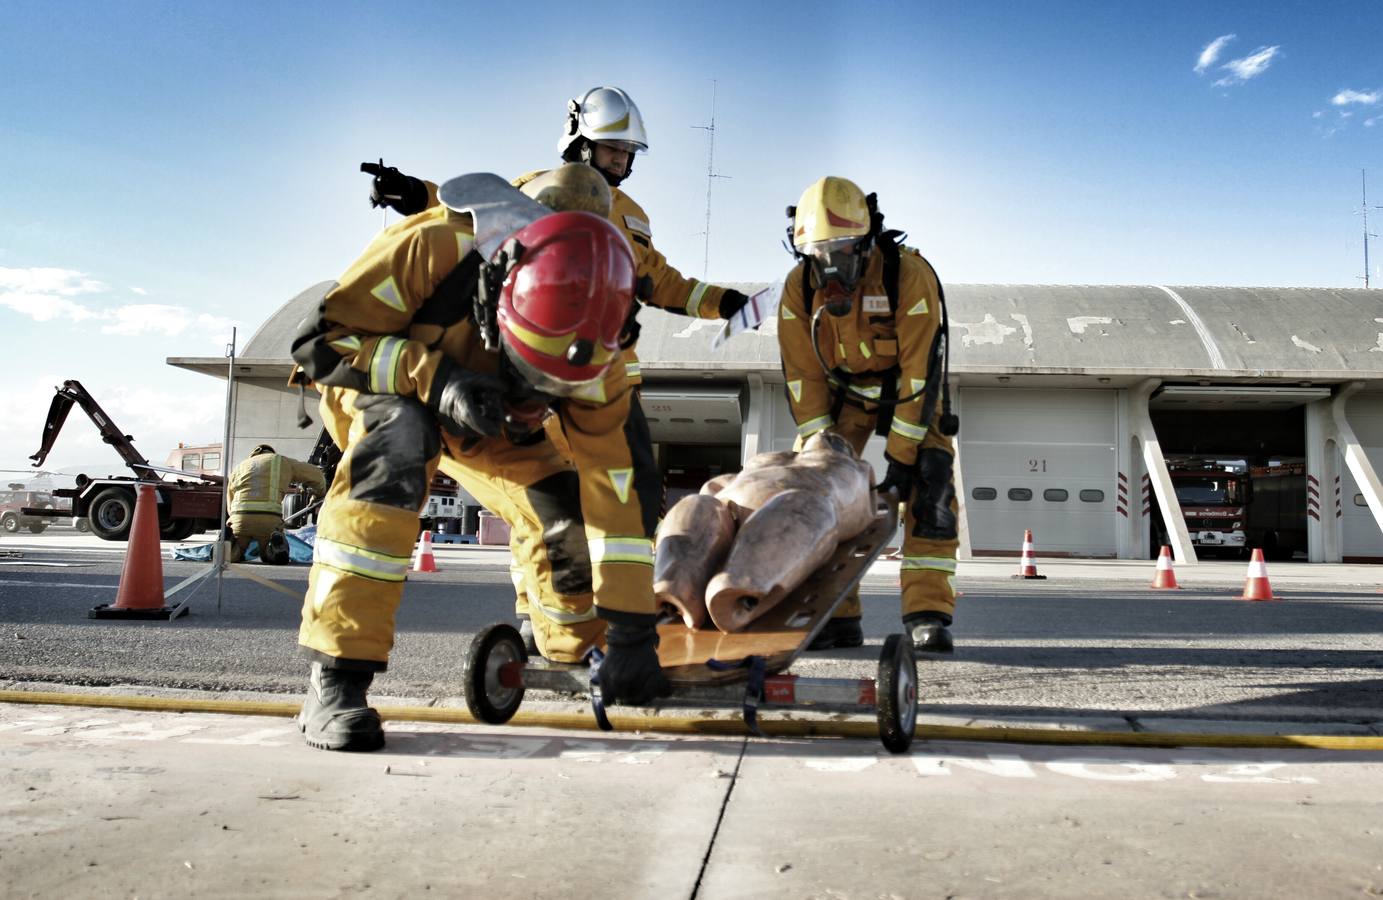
point(1364, 187)
point(218, 553)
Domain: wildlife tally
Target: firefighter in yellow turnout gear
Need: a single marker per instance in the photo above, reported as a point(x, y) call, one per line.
point(256, 490)
point(876, 351)
point(438, 348)
point(604, 130)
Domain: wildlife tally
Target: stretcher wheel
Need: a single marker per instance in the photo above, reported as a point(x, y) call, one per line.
point(896, 693)
point(487, 698)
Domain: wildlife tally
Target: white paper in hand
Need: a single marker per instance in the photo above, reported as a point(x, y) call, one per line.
point(760, 308)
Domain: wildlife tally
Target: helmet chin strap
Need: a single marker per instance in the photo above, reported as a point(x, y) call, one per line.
point(587, 156)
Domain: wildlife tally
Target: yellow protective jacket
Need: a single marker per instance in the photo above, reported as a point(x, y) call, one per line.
point(392, 326)
point(864, 343)
point(258, 485)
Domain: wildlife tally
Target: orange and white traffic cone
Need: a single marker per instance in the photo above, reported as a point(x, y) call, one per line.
point(140, 595)
point(1166, 577)
point(1256, 585)
point(425, 561)
point(1027, 563)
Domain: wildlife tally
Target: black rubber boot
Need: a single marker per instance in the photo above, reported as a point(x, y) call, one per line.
point(526, 632)
point(336, 715)
point(841, 632)
point(930, 632)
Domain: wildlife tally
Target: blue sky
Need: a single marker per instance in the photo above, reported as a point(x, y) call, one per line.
point(173, 169)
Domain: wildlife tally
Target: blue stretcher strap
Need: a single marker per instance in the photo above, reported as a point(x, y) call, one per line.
point(753, 688)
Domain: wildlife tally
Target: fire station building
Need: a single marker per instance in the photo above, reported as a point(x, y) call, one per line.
point(1079, 407)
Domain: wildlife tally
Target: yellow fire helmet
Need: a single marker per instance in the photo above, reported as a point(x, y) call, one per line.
point(831, 228)
point(832, 210)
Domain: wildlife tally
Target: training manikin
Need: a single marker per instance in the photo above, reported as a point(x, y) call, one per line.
point(733, 551)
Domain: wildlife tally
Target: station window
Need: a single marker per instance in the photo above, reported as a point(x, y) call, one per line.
point(1019, 494)
point(191, 462)
point(211, 462)
point(1091, 495)
point(1056, 495)
point(983, 494)
point(1360, 501)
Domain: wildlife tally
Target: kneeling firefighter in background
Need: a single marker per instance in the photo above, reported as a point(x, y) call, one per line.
point(449, 341)
point(256, 490)
point(862, 331)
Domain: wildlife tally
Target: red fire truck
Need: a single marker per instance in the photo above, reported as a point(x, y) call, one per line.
point(1231, 507)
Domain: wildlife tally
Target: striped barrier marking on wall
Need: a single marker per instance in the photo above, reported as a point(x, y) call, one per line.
point(1147, 495)
point(1313, 505)
point(1122, 504)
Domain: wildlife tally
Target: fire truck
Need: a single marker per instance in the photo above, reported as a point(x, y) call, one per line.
point(1231, 507)
point(1212, 495)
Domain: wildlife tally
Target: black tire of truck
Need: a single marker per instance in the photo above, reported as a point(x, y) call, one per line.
point(10, 522)
point(38, 527)
point(112, 513)
point(177, 529)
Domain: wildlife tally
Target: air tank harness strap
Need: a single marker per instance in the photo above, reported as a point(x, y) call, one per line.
point(884, 406)
point(753, 688)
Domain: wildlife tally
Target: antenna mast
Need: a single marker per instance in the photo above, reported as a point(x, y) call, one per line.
point(1364, 210)
point(711, 175)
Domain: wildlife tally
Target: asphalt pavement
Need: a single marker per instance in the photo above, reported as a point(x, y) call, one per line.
point(149, 803)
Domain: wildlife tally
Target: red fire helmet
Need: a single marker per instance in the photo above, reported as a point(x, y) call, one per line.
point(564, 305)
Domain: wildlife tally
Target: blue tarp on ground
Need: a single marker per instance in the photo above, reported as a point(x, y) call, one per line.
point(300, 543)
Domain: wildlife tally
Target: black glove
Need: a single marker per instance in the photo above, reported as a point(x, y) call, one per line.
point(898, 478)
point(467, 404)
point(630, 672)
point(392, 188)
point(731, 302)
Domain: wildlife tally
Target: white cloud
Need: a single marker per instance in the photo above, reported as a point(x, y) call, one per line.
point(1251, 66)
point(43, 294)
point(46, 295)
point(140, 291)
point(1211, 52)
point(1363, 98)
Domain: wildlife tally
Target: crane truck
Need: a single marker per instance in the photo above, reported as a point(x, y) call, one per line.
point(106, 504)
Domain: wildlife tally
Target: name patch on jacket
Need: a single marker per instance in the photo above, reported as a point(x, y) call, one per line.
point(876, 304)
point(634, 223)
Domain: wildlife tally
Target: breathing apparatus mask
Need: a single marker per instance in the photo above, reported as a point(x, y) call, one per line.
point(836, 267)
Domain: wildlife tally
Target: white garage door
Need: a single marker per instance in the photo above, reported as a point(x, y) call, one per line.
point(1361, 536)
point(1040, 459)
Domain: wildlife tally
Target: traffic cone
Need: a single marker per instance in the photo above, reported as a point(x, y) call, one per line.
point(1256, 585)
point(425, 561)
point(141, 580)
point(1166, 577)
point(1027, 563)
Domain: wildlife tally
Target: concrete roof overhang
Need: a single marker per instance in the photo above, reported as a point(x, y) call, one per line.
point(1097, 336)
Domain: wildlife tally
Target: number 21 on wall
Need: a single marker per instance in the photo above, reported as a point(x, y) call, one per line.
point(1037, 465)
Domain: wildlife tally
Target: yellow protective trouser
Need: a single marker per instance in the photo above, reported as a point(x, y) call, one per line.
point(369, 521)
point(549, 610)
point(929, 564)
point(367, 525)
point(252, 527)
point(537, 492)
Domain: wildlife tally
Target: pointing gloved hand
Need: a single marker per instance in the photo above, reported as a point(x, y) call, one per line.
point(731, 302)
point(898, 478)
point(630, 672)
point(391, 188)
point(468, 403)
